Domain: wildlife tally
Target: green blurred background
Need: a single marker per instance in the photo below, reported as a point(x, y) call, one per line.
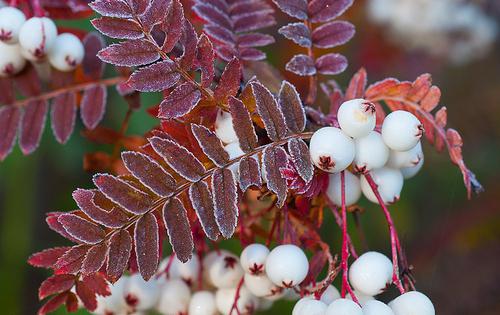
point(452, 242)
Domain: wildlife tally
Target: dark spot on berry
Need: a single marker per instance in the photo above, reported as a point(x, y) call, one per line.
point(230, 262)
point(256, 269)
point(69, 61)
point(288, 284)
point(9, 69)
point(109, 313)
point(420, 130)
point(4, 35)
point(131, 300)
point(396, 198)
point(360, 169)
point(369, 107)
point(188, 281)
point(326, 163)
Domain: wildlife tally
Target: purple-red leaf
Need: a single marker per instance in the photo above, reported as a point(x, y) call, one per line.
point(189, 40)
point(326, 10)
point(86, 295)
point(203, 204)
point(139, 6)
point(118, 28)
point(299, 152)
point(48, 257)
point(91, 64)
point(210, 144)
point(63, 116)
point(28, 83)
point(81, 229)
point(178, 158)
point(32, 124)
point(294, 8)
point(97, 283)
point(220, 34)
point(180, 101)
point(298, 33)
point(135, 52)
point(155, 13)
point(120, 247)
point(55, 284)
point(205, 56)
point(53, 304)
point(249, 173)
point(225, 201)
point(118, 9)
point(273, 159)
point(268, 109)
point(431, 99)
point(212, 15)
point(156, 77)
point(172, 26)
point(252, 21)
point(146, 239)
point(10, 117)
point(179, 231)
point(95, 258)
point(357, 85)
point(333, 34)
point(331, 64)
point(54, 225)
point(302, 65)
point(254, 40)
point(71, 261)
point(291, 107)
point(229, 83)
point(243, 125)
point(93, 105)
point(122, 193)
point(115, 218)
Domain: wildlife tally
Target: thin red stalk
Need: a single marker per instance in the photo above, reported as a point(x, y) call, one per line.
point(37, 8)
point(273, 228)
point(313, 79)
point(339, 221)
point(395, 245)
point(13, 3)
point(234, 307)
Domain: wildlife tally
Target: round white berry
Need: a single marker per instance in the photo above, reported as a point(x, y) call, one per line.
point(37, 35)
point(331, 150)
point(400, 159)
point(389, 184)
point(11, 60)
point(371, 273)
point(352, 189)
point(291, 294)
point(225, 271)
point(261, 286)
point(114, 303)
point(287, 265)
point(343, 307)
point(375, 307)
point(207, 263)
point(234, 150)
point(371, 152)
point(253, 258)
point(187, 271)
point(361, 297)
point(309, 306)
point(174, 298)
point(141, 295)
point(331, 294)
point(409, 172)
point(66, 53)
point(357, 117)
point(11, 20)
point(202, 303)
point(411, 303)
point(265, 304)
point(224, 299)
point(401, 130)
point(224, 127)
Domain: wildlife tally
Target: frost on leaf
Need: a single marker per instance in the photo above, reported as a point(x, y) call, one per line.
point(331, 64)
point(269, 111)
point(179, 231)
point(118, 9)
point(326, 10)
point(115, 218)
point(81, 229)
point(10, 117)
point(302, 65)
point(298, 33)
point(203, 204)
point(273, 159)
point(333, 34)
point(71, 261)
point(63, 116)
point(172, 26)
point(243, 125)
point(291, 107)
point(225, 200)
point(32, 124)
point(180, 101)
point(48, 257)
point(249, 173)
point(118, 28)
point(95, 258)
point(206, 57)
point(189, 40)
point(92, 66)
point(210, 144)
point(229, 83)
point(93, 105)
point(55, 284)
point(120, 247)
point(146, 239)
point(299, 152)
point(131, 53)
point(294, 8)
point(156, 77)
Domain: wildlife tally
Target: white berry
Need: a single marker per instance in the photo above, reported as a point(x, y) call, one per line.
point(234, 150)
point(225, 271)
point(202, 303)
point(207, 263)
point(141, 295)
point(66, 53)
point(361, 297)
point(389, 185)
point(343, 307)
point(371, 273)
point(261, 286)
point(187, 271)
point(309, 306)
point(224, 299)
point(11, 60)
point(331, 294)
point(409, 172)
point(357, 117)
point(375, 307)
point(253, 258)
point(287, 265)
point(411, 303)
point(114, 303)
point(400, 159)
point(352, 189)
point(174, 298)
point(11, 20)
point(401, 130)
point(371, 152)
point(224, 127)
point(331, 150)
point(265, 304)
point(37, 35)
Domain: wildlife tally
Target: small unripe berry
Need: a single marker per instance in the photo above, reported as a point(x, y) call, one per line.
point(309, 306)
point(389, 184)
point(371, 273)
point(36, 37)
point(357, 117)
point(66, 53)
point(141, 295)
point(343, 307)
point(224, 127)
point(11, 20)
point(224, 299)
point(409, 172)
point(225, 271)
point(371, 152)
point(401, 130)
point(11, 61)
point(331, 150)
point(411, 303)
point(253, 258)
point(287, 265)
point(261, 286)
point(187, 271)
point(114, 303)
point(331, 294)
point(375, 307)
point(202, 303)
point(401, 159)
point(174, 298)
point(352, 189)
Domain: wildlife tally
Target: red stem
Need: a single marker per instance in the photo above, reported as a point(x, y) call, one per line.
point(395, 245)
point(13, 3)
point(339, 221)
point(37, 8)
point(234, 307)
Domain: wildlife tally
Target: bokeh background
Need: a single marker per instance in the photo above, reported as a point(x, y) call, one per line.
point(452, 242)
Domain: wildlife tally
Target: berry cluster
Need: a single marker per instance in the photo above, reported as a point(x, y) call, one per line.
point(35, 40)
point(391, 155)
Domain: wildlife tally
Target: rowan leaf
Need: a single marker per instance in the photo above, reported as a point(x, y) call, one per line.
point(268, 109)
point(249, 173)
point(431, 99)
point(210, 144)
point(117, 9)
point(53, 223)
point(63, 116)
point(325, 10)
point(252, 21)
point(71, 261)
point(81, 229)
point(332, 34)
point(93, 105)
point(299, 152)
point(291, 107)
point(229, 83)
point(53, 304)
point(206, 57)
point(243, 125)
point(172, 26)
point(32, 124)
point(298, 33)
point(86, 295)
point(225, 201)
point(213, 15)
point(254, 40)
point(220, 34)
point(95, 258)
point(156, 77)
point(115, 218)
point(302, 65)
point(146, 239)
point(155, 13)
point(118, 28)
point(55, 284)
point(331, 64)
point(92, 66)
point(48, 257)
point(180, 101)
point(10, 118)
point(294, 8)
point(179, 231)
point(120, 247)
point(273, 159)
point(357, 85)
point(131, 53)
point(189, 40)
point(420, 87)
point(203, 204)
